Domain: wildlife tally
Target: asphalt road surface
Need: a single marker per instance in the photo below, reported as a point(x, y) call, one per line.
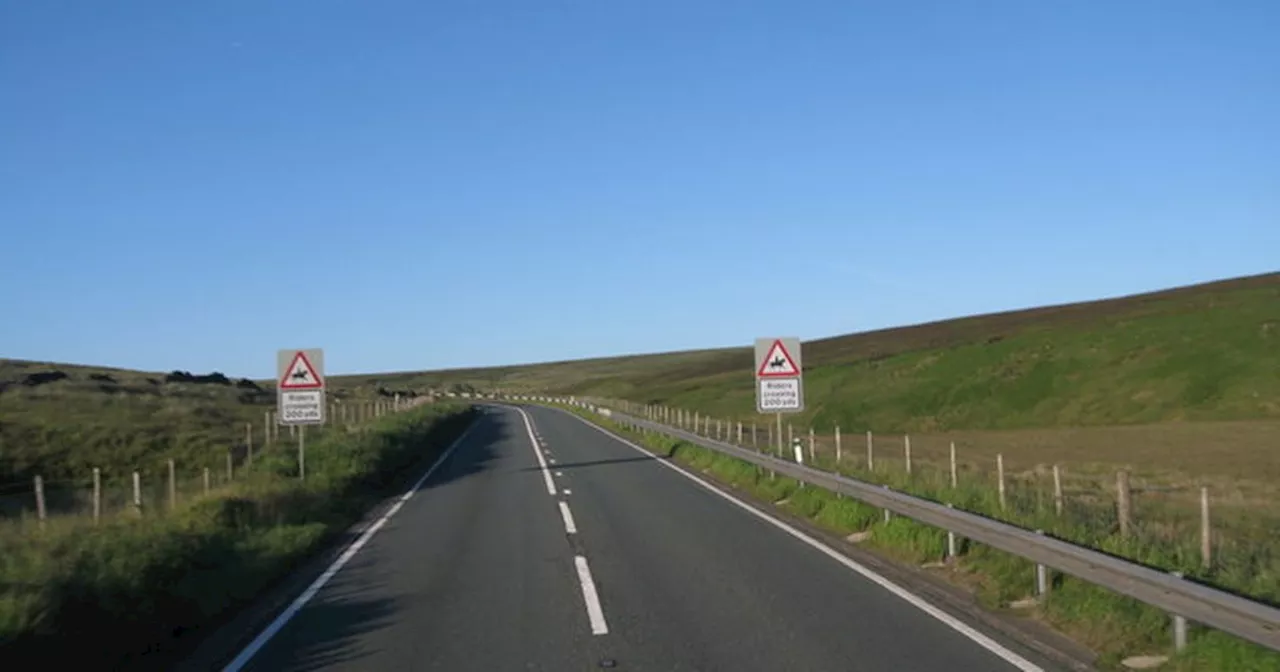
point(606, 559)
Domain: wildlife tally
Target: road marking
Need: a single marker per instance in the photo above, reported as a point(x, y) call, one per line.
point(947, 619)
point(568, 518)
point(542, 463)
point(559, 473)
point(551, 460)
point(307, 595)
point(567, 491)
point(594, 611)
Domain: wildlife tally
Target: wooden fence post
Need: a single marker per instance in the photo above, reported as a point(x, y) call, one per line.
point(1206, 545)
point(906, 447)
point(1057, 490)
point(811, 457)
point(97, 494)
point(1000, 477)
point(137, 493)
point(173, 486)
point(871, 459)
point(1124, 504)
point(40, 510)
point(954, 479)
point(837, 444)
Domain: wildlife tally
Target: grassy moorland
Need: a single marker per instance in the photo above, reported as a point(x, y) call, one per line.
point(1199, 353)
point(60, 421)
point(72, 590)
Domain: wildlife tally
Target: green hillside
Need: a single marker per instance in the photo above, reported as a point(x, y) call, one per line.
point(1204, 352)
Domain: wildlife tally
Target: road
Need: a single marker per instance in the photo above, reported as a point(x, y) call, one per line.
point(606, 559)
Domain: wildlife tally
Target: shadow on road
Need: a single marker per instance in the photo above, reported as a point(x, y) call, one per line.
point(329, 633)
point(344, 626)
point(476, 453)
point(597, 463)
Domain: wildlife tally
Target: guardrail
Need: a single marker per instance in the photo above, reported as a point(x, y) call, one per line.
point(1184, 599)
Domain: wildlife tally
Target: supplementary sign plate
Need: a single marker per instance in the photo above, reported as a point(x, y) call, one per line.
point(780, 395)
point(301, 408)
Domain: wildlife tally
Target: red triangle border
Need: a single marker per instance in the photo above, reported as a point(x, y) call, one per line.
point(314, 374)
point(778, 345)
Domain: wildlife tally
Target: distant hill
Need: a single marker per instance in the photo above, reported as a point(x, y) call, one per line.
point(1203, 352)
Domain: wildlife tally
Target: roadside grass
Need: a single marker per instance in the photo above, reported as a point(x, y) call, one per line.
point(72, 590)
point(60, 422)
point(1114, 626)
point(63, 429)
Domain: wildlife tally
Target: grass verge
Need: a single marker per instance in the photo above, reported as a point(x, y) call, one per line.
point(1112, 625)
point(117, 591)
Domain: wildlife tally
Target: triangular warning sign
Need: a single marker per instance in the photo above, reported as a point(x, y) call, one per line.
point(300, 375)
point(778, 363)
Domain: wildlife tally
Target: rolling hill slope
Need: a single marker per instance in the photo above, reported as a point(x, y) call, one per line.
point(1203, 352)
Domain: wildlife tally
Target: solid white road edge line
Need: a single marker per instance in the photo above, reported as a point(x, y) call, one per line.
point(542, 463)
point(298, 603)
point(594, 612)
point(568, 518)
point(947, 619)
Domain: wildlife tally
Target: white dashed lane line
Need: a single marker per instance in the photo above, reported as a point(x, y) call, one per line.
point(567, 515)
point(595, 612)
point(542, 463)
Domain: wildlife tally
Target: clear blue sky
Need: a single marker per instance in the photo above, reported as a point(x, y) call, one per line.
point(417, 185)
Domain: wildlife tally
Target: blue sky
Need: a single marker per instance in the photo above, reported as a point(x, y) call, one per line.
point(418, 185)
